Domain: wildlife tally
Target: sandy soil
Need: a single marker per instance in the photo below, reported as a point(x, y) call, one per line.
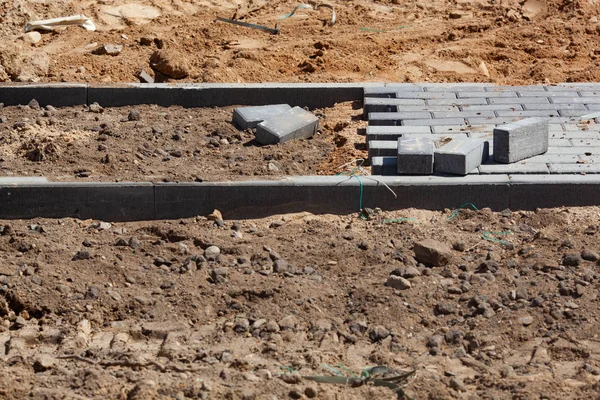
point(151, 310)
point(503, 41)
point(151, 143)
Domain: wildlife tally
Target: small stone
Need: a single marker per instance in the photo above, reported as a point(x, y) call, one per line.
point(281, 266)
point(134, 115)
point(527, 320)
point(445, 308)
point(82, 255)
point(322, 325)
point(292, 378)
point(295, 394)
point(397, 282)
point(34, 105)
point(134, 242)
point(521, 293)
point(432, 253)
point(454, 337)
point(43, 362)
point(589, 255)
point(32, 37)
point(241, 325)
point(212, 252)
point(271, 327)
point(96, 108)
point(378, 333)
point(507, 371)
point(410, 272)
point(571, 260)
point(435, 341)
point(289, 322)
point(145, 77)
point(459, 246)
point(108, 49)
point(457, 384)
point(311, 392)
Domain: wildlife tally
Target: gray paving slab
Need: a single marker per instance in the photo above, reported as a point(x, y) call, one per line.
point(529, 113)
point(293, 124)
point(434, 122)
point(379, 92)
point(516, 88)
point(458, 102)
point(488, 95)
point(415, 155)
point(575, 86)
point(590, 159)
point(399, 115)
point(576, 100)
point(587, 93)
point(385, 132)
point(493, 107)
point(437, 137)
point(534, 93)
point(462, 114)
point(574, 135)
point(250, 117)
point(425, 95)
point(559, 143)
point(518, 168)
point(451, 128)
point(574, 168)
point(574, 150)
point(461, 156)
point(585, 142)
point(549, 106)
point(21, 180)
point(405, 87)
point(508, 120)
point(461, 87)
point(519, 140)
point(554, 159)
point(520, 100)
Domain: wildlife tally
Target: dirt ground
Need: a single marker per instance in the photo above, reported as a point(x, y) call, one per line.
point(187, 309)
point(153, 310)
point(151, 143)
point(501, 41)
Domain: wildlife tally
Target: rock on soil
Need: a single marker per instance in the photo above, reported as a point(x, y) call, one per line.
point(170, 63)
point(432, 253)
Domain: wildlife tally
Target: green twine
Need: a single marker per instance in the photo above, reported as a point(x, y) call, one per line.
point(288, 370)
point(360, 199)
point(396, 220)
point(488, 236)
point(338, 372)
point(455, 213)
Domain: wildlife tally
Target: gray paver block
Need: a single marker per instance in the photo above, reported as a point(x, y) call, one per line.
point(379, 92)
point(574, 150)
point(384, 166)
point(508, 120)
point(493, 107)
point(576, 100)
point(574, 168)
point(463, 114)
point(461, 156)
point(415, 156)
point(559, 143)
point(520, 100)
point(250, 117)
point(517, 168)
point(393, 132)
point(533, 93)
point(530, 113)
point(519, 140)
point(295, 123)
point(425, 95)
point(451, 129)
point(434, 122)
point(458, 102)
point(495, 88)
point(487, 95)
point(585, 142)
point(383, 148)
point(394, 118)
point(554, 159)
point(547, 106)
point(20, 180)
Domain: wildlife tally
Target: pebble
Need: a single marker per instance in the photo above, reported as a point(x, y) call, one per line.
point(108, 49)
point(397, 282)
point(295, 394)
point(271, 327)
point(134, 115)
point(435, 341)
point(311, 392)
point(212, 252)
point(457, 384)
point(589, 255)
point(288, 322)
point(527, 320)
point(32, 37)
point(82, 255)
point(96, 108)
point(445, 308)
point(292, 378)
point(379, 333)
point(571, 260)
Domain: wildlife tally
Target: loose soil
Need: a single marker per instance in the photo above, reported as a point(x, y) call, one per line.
point(166, 144)
point(151, 310)
point(505, 41)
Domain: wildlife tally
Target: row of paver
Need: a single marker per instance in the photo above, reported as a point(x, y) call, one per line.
point(463, 110)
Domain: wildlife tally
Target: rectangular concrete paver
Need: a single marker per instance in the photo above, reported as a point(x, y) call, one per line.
point(382, 148)
point(393, 132)
point(292, 124)
point(518, 168)
point(415, 156)
point(574, 168)
point(461, 156)
point(250, 117)
point(384, 166)
point(520, 140)
point(458, 102)
point(434, 122)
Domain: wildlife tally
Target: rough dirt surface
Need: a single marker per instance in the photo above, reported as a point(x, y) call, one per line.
point(148, 310)
point(502, 41)
point(151, 143)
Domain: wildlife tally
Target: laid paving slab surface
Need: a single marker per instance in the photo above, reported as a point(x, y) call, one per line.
point(474, 110)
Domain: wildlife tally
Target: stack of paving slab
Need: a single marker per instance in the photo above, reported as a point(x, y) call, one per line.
point(420, 130)
point(277, 123)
